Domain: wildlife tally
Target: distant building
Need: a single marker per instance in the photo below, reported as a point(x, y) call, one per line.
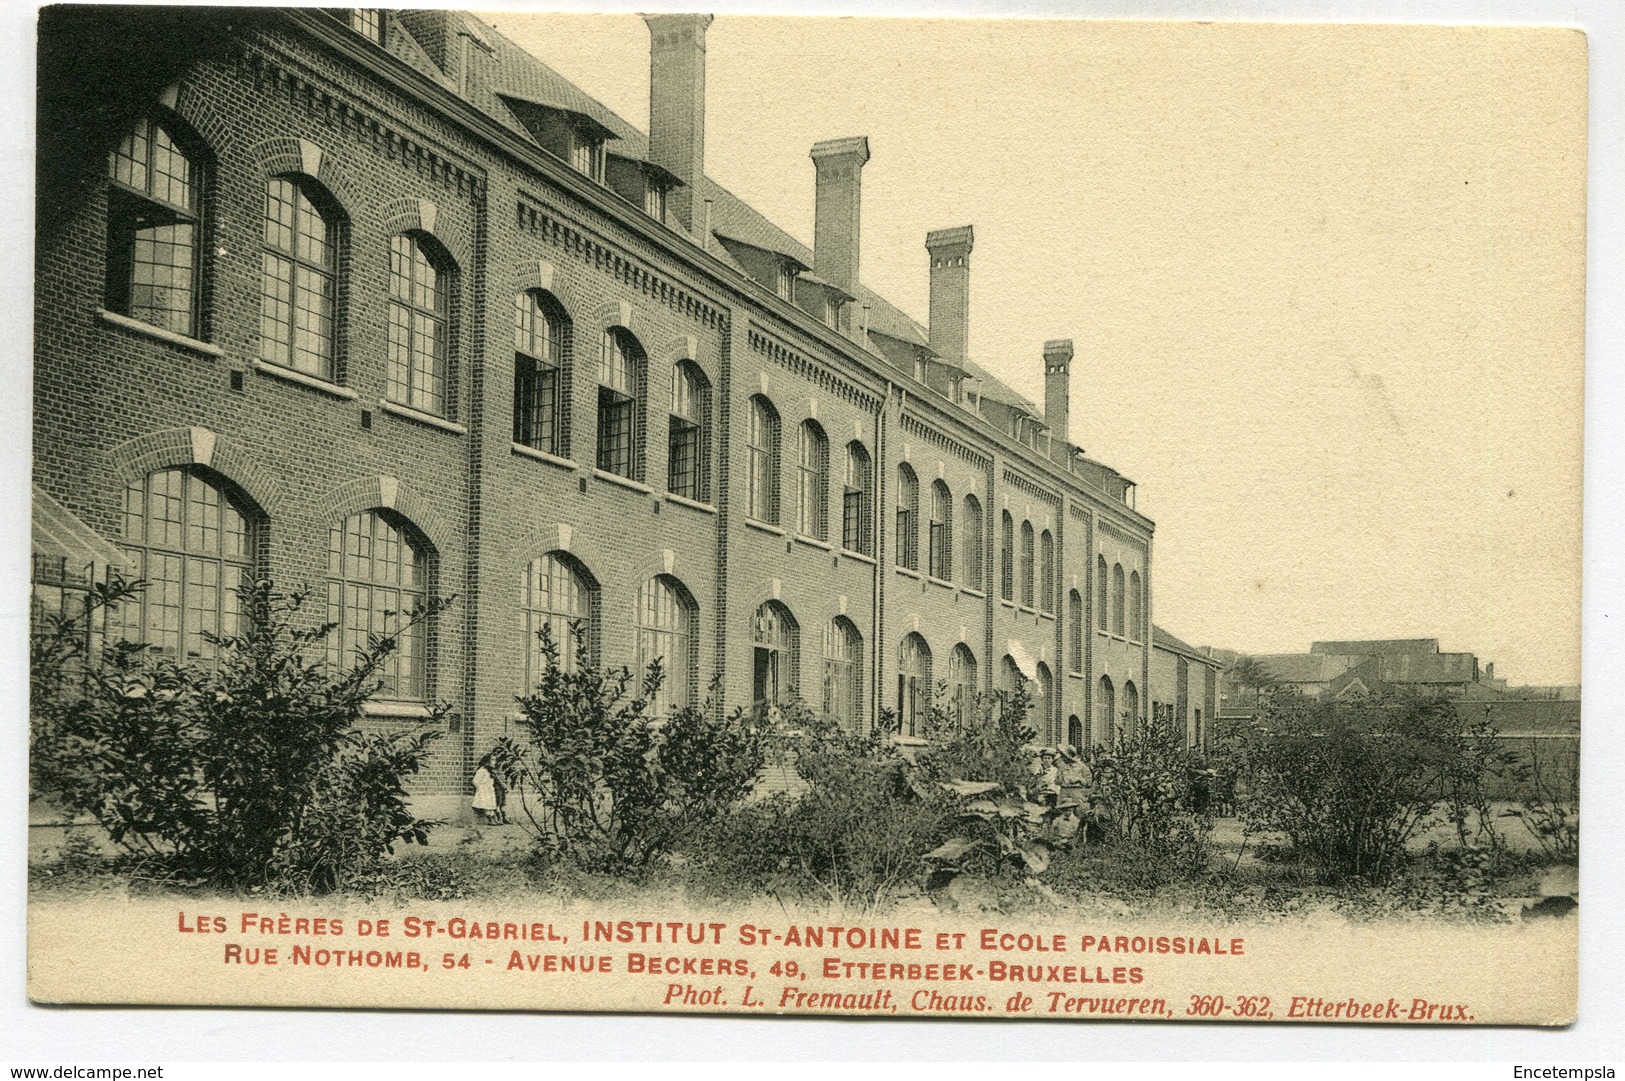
point(1184, 687)
point(1345, 669)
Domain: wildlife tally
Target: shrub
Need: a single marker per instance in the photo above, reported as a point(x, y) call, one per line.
point(248, 772)
point(1152, 805)
point(603, 784)
point(1349, 783)
point(854, 835)
point(1549, 807)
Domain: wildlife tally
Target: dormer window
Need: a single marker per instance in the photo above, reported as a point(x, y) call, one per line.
point(369, 23)
point(920, 368)
point(786, 281)
point(654, 202)
point(587, 155)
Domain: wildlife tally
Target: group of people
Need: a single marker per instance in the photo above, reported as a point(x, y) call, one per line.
point(1064, 780)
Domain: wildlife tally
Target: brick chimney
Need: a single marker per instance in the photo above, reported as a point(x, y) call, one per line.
point(677, 109)
point(1057, 388)
point(950, 291)
point(839, 164)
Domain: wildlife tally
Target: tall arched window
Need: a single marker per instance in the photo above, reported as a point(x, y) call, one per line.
point(777, 647)
point(666, 614)
point(1117, 598)
point(908, 518)
point(1074, 733)
point(856, 533)
point(1074, 631)
point(971, 531)
point(154, 217)
point(843, 669)
point(1044, 703)
point(812, 482)
point(688, 451)
point(1046, 571)
point(1101, 607)
point(962, 682)
point(1026, 569)
point(378, 573)
point(913, 686)
point(1107, 707)
point(1131, 706)
point(298, 281)
point(419, 307)
point(941, 552)
point(1136, 608)
point(622, 368)
point(558, 594)
point(762, 452)
point(195, 546)
point(541, 414)
point(1007, 556)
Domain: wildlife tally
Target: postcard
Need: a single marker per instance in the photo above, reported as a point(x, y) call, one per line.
point(1009, 518)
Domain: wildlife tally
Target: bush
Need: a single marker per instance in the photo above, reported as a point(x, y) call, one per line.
point(1549, 807)
point(601, 783)
point(853, 836)
point(249, 772)
point(1151, 812)
point(1349, 783)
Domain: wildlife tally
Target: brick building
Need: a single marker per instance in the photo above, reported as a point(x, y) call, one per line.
point(376, 302)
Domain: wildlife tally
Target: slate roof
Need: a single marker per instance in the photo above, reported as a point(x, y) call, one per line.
point(519, 75)
point(1163, 640)
point(1303, 667)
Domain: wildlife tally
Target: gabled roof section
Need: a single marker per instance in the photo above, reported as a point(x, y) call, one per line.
point(1303, 667)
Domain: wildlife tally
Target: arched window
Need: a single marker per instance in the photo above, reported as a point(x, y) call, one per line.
point(1010, 678)
point(1117, 598)
point(1046, 571)
point(1044, 703)
point(154, 218)
point(843, 669)
point(942, 530)
point(1026, 570)
point(298, 281)
point(558, 594)
point(908, 518)
point(377, 574)
point(666, 614)
point(762, 449)
point(1074, 631)
point(972, 546)
point(812, 487)
point(777, 641)
point(913, 686)
point(688, 449)
point(1136, 608)
point(855, 501)
point(195, 546)
point(1101, 607)
point(1131, 706)
point(541, 396)
point(1107, 707)
point(1074, 733)
point(621, 372)
point(1007, 557)
point(962, 682)
point(419, 303)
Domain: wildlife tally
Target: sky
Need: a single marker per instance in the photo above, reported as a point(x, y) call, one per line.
point(1325, 283)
